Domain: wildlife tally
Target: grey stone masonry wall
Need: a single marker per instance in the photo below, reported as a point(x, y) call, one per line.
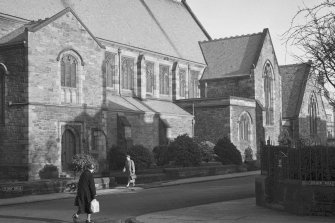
point(268, 54)
point(236, 86)
point(14, 129)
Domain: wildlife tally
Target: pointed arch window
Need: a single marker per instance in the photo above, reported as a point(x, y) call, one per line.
point(2, 95)
point(69, 83)
point(164, 85)
point(268, 93)
point(150, 77)
point(244, 127)
point(127, 73)
point(182, 82)
point(312, 111)
point(110, 70)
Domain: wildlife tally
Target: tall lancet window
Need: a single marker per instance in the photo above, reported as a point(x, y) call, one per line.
point(268, 93)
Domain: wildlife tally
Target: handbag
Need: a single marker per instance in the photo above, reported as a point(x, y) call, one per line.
point(95, 206)
point(133, 176)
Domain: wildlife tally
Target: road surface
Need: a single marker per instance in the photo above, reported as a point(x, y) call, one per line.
point(128, 204)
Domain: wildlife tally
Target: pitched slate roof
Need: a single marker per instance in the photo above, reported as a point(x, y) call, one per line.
point(34, 26)
point(294, 80)
point(164, 26)
point(130, 104)
point(232, 56)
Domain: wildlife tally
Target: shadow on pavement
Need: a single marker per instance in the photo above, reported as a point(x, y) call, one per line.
point(32, 219)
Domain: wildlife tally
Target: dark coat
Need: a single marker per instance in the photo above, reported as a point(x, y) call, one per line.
point(85, 193)
point(129, 166)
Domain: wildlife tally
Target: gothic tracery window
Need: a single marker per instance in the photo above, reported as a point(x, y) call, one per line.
point(312, 111)
point(268, 92)
point(164, 85)
point(110, 70)
point(69, 70)
point(244, 127)
point(150, 78)
point(182, 82)
point(127, 73)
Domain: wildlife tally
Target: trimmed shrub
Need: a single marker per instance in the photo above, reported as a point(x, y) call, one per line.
point(227, 152)
point(116, 157)
point(248, 154)
point(161, 155)
point(81, 161)
point(184, 151)
point(207, 151)
point(141, 156)
point(49, 171)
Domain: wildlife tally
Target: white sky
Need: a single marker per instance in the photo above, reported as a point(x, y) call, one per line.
point(224, 18)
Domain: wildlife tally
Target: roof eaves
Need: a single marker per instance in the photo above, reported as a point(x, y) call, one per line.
point(58, 15)
point(196, 19)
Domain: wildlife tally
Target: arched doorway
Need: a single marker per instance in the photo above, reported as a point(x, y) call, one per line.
point(68, 148)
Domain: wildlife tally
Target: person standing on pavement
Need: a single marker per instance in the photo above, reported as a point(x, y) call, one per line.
point(129, 168)
point(86, 192)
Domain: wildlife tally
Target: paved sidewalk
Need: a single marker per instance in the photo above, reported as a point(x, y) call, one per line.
point(44, 197)
point(237, 211)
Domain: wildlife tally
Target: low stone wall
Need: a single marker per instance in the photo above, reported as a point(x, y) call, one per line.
point(17, 189)
point(295, 196)
point(163, 174)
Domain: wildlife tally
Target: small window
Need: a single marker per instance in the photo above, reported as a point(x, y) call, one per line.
point(150, 77)
point(182, 82)
point(127, 73)
point(244, 127)
point(110, 70)
point(99, 141)
point(164, 85)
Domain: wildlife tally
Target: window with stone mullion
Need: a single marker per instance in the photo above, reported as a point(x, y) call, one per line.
point(182, 83)
point(68, 71)
point(164, 86)
point(110, 70)
point(150, 83)
point(127, 73)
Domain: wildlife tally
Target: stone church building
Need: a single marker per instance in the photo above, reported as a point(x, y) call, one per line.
point(82, 75)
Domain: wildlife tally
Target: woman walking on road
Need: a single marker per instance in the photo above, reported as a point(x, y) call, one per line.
point(129, 168)
point(85, 194)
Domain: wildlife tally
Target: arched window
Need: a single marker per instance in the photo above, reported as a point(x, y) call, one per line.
point(268, 92)
point(127, 73)
point(182, 82)
point(312, 111)
point(69, 72)
point(110, 70)
point(164, 85)
point(244, 127)
point(150, 78)
point(2, 95)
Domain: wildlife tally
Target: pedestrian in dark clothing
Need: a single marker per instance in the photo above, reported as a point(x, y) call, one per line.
point(129, 168)
point(85, 194)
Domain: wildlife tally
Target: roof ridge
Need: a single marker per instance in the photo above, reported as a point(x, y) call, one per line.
point(232, 37)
